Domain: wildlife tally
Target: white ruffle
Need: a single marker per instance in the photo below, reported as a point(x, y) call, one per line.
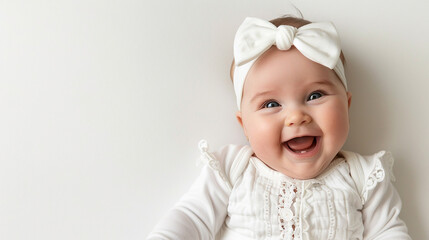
point(383, 165)
point(209, 159)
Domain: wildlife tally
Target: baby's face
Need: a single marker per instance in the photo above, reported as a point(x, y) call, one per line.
point(294, 112)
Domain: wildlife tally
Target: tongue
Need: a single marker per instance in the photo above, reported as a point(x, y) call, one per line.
point(300, 143)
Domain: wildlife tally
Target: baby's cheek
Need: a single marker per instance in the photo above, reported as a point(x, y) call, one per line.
point(264, 137)
point(337, 123)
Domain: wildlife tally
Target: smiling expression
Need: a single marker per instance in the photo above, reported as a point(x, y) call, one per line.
point(294, 112)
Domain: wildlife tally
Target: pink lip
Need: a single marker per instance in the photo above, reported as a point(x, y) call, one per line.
point(313, 152)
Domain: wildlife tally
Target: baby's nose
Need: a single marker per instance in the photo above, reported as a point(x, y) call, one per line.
point(297, 118)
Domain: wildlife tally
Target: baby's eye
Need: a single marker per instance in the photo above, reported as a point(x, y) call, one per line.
point(270, 104)
point(314, 96)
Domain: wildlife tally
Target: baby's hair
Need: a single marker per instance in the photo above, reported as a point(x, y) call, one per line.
point(291, 21)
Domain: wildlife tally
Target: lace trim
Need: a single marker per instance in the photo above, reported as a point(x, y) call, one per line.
point(387, 160)
point(267, 212)
point(212, 162)
point(288, 204)
point(332, 220)
point(378, 173)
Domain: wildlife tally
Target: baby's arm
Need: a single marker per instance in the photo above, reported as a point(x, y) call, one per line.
point(202, 210)
point(381, 212)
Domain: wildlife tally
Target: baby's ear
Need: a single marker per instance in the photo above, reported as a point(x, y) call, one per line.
point(240, 120)
point(349, 98)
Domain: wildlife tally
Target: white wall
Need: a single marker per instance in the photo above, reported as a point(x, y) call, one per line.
point(103, 102)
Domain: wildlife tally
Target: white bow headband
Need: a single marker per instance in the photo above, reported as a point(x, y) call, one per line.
point(318, 42)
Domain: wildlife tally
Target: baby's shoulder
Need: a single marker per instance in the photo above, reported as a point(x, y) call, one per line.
point(230, 159)
point(369, 170)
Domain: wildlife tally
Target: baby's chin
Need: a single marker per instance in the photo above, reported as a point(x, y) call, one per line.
point(303, 171)
point(303, 174)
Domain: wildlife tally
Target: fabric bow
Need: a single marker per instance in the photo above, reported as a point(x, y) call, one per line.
point(318, 42)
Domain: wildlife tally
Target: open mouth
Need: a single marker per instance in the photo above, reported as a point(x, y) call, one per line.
point(303, 146)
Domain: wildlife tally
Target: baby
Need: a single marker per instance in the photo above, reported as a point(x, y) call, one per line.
point(293, 181)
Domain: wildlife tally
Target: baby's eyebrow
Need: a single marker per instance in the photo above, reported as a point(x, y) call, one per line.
point(324, 82)
point(260, 94)
point(267, 92)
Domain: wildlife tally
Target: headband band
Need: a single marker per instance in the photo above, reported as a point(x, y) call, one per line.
point(318, 42)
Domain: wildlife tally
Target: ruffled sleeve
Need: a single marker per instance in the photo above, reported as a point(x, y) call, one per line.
point(201, 212)
point(381, 201)
point(377, 168)
point(228, 163)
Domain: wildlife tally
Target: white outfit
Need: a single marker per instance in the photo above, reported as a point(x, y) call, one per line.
point(238, 197)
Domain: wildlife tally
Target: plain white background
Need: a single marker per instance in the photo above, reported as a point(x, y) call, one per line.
point(103, 104)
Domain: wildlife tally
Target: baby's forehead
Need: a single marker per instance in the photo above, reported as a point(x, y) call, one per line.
point(286, 66)
point(260, 86)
